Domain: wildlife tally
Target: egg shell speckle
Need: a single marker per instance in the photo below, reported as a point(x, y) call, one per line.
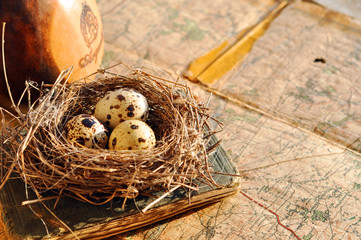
point(132, 135)
point(87, 131)
point(120, 105)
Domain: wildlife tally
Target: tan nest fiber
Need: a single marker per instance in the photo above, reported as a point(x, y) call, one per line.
point(37, 149)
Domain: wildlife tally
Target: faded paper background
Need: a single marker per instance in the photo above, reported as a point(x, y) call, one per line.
point(280, 105)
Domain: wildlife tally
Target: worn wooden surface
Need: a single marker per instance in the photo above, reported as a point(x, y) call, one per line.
point(291, 107)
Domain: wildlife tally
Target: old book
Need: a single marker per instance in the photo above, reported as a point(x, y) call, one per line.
point(73, 219)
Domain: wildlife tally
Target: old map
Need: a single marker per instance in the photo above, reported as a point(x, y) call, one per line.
point(291, 112)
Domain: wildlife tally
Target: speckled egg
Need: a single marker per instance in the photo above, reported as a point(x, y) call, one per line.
point(87, 131)
point(120, 105)
point(132, 135)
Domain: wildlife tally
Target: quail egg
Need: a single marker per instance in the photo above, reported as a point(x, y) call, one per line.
point(120, 105)
point(87, 131)
point(132, 135)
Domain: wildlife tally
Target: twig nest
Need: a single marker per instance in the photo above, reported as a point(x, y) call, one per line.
point(120, 105)
point(175, 155)
point(132, 135)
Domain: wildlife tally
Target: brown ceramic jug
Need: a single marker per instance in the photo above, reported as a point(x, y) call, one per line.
point(44, 37)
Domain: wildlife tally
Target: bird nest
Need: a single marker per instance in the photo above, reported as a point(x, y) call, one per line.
point(38, 150)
